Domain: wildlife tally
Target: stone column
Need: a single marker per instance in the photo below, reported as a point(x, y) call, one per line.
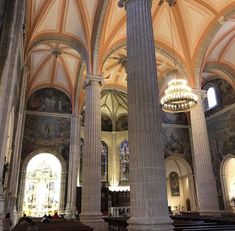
point(149, 209)
point(91, 172)
point(114, 173)
point(15, 160)
point(73, 166)
point(11, 62)
point(192, 192)
point(204, 177)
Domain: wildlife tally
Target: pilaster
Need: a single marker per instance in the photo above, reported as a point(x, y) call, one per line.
point(73, 166)
point(15, 160)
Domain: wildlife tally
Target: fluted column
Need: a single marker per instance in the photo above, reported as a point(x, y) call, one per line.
point(204, 177)
point(91, 172)
point(15, 165)
point(73, 166)
point(114, 174)
point(147, 169)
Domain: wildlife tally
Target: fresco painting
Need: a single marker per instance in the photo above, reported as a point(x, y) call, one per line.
point(122, 123)
point(46, 132)
point(49, 100)
point(221, 132)
point(176, 140)
point(174, 118)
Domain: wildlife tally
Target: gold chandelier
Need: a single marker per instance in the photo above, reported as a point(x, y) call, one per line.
point(178, 96)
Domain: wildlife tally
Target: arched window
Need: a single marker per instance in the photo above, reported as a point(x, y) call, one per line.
point(104, 162)
point(211, 97)
point(124, 161)
point(174, 184)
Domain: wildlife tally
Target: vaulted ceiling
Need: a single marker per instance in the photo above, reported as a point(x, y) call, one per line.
point(67, 39)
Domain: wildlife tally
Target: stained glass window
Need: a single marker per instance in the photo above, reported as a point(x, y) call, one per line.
point(124, 161)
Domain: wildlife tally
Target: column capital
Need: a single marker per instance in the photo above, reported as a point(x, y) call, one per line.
point(75, 114)
point(93, 79)
point(200, 93)
point(122, 3)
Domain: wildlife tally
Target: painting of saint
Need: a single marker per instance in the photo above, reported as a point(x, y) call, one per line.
point(174, 184)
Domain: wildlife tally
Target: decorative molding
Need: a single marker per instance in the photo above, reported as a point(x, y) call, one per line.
point(51, 114)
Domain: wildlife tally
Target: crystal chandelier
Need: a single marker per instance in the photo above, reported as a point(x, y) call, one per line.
point(178, 96)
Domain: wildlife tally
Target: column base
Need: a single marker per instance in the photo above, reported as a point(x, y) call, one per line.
point(70, 213)
point(210, 212)
point(151, 223)
point(2, 215)
point(15, 215)
point(94, 220)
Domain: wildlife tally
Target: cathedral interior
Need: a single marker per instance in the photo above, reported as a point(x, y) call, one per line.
point(83, 132)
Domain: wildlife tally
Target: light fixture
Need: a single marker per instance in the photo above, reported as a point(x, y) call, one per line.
point(178, 96)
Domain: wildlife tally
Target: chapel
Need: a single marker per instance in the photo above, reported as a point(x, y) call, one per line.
point(114, 108)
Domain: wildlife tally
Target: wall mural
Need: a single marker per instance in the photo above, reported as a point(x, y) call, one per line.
point(124, 161)
point(174, 118)
point(122, 123)
point(174, 184)
point(177, 141)
point(221, 132)
point(104, 162)
point(106, 124)
point(225, 94)
point(46, 132)
point(49, 100)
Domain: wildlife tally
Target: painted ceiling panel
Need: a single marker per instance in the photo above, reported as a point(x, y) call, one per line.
point(60, 75)
point(37, 58)
point(44, 74)
point(76, 17)
point(38, 4)
point(216, 51)
point(73, 23)
point(196, 19)
point(162, 30)
point(227, 26)
point(217, 4)
point(72, 65)
point(115, 15)
point(50, 22)
point(228, 55)
point(91, 6)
